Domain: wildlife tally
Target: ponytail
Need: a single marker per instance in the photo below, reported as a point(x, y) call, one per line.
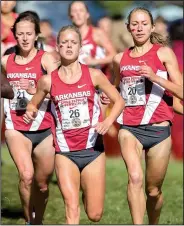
point(156, 38)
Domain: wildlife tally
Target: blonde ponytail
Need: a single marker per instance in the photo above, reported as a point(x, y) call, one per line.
point(156, 38)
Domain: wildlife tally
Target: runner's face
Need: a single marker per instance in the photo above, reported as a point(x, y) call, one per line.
point(7, 6)
point(69, 45)
point(26, 36)
point(79, 14)
point(140, 26)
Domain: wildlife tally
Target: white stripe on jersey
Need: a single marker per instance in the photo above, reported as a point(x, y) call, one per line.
point(120, 117)
point(41, 113)
point(61, 141)
point(154, 99)
point(95, 117)
point(8, 119)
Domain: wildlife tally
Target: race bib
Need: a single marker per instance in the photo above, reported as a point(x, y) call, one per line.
point(75, 113)
point(20, 100)
point(133, 90)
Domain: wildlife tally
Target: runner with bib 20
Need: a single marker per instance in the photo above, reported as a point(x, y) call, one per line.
point(78, 121)
point(145, 121)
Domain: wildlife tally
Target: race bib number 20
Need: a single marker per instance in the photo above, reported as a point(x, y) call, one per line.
point(75, 113)
point(133, 90)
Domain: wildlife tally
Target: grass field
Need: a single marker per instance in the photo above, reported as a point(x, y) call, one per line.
point(116, 207)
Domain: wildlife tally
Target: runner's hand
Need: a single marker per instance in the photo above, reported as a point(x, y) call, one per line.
point(103, 127)
point(29, 116)
point(147, 72)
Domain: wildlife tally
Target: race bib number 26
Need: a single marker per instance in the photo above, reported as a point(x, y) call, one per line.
point(133, 90)
point(75, 113)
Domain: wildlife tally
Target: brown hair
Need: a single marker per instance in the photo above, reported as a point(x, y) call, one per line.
point(69, 27)
point(28, 16)
point(85, 5)
point(155, 38)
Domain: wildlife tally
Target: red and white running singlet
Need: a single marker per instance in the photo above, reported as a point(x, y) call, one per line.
point(77, 111)
point(89, 47)
point(146, 102)
point(15, 109)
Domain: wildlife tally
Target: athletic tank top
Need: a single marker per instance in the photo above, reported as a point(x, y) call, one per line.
point(15, 109)
point(91, 49)
point(77, 110)
point(146, 102)
point(89, 46)
point(10, 39)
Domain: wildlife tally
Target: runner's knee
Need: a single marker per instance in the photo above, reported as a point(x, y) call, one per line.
point(43, 188)
point(153, 192)
point(95, 215)
point(136, 179)
point(26, 177)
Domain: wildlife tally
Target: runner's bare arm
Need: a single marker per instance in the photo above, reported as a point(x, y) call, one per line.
point(116, 69)
point(100, 80)
point(116, 77)
point(177, 106)
point(175, 89)
point(6, 89)
point(169, 59)
point(49, 62)
point(43, 88)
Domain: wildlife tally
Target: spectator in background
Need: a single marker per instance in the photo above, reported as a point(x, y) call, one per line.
point(161, 26)
point(176, 36)
point(105, 23)
point(47, 33)
point(121, 38)
point(7, 20)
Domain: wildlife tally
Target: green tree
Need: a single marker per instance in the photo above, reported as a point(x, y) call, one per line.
point(115, 7)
